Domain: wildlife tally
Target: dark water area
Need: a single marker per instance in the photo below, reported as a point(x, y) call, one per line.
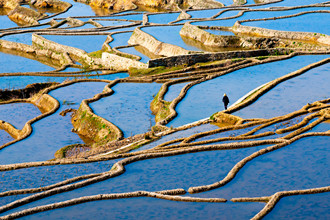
point(301, 165)
point(151, 208)
point(314, 206)
point(5, 137)
point(43, 176)
point(162, 174)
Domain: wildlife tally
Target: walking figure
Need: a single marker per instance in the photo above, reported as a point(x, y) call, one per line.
point(225, 100)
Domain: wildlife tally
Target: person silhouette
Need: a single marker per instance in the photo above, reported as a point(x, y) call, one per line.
point(225, 100)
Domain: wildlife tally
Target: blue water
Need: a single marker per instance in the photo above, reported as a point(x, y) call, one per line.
point(129, 107)
point(18, 114)
point(254, 15)
point(170, 35)
point(120, 39)
point(132, 50)
point(22, 81)
point(226, 2)
point(287, 3)
point(161, 174)
point(47, 175)
point(163, 18)
point(304, 23)
point(53, 132)
point(291, 95)
point(82, 42)
point(4, 137)
point(174, 91)
point(301, 165)
point(25, 38)
point(5, 22)
point(11, 63)
point(204, 99)
point(228, 14)
point(151, 208)
point(179, 134)
point(314, 206)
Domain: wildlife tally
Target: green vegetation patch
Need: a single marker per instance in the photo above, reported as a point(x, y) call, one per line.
point(93, 127)
point(133, 71)
point(160, 109)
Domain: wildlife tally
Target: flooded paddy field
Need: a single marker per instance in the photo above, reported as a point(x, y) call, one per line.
point(130, 118)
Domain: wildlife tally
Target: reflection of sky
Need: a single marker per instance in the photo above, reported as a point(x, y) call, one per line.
point(163, 18)
point(13, 64)
point(53, 132)
point(291, 95)
point(18, 82)
point(129, 107)
point(18, 114)
point(5, 22)
point(132, 50)
point(19, 38)
point(204, 99)
point(174, 91)
point(152, 208)
point(304, 23)
point(256, 15)
point(313, 206)
point(163, 173)
point(41, 176)
point(120, 39)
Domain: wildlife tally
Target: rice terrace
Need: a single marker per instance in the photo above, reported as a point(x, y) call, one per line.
point(164, 109)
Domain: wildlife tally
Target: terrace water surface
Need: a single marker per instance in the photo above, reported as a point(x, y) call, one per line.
point(18, 114)
point(46, 175)
point(129, 107)
point(300, 165)
point(204, 99)
point(163, 18)
point(303, 23)
point(151, 208)
point(161, 174)
point(315, 206)
point(12, 64)
point(291, 95)
point(174, 91)
point(10, 82)
point(53, 132)
point(5, 137)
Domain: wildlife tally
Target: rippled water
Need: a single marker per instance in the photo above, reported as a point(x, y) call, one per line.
point(18, 114)
point(129, 107)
